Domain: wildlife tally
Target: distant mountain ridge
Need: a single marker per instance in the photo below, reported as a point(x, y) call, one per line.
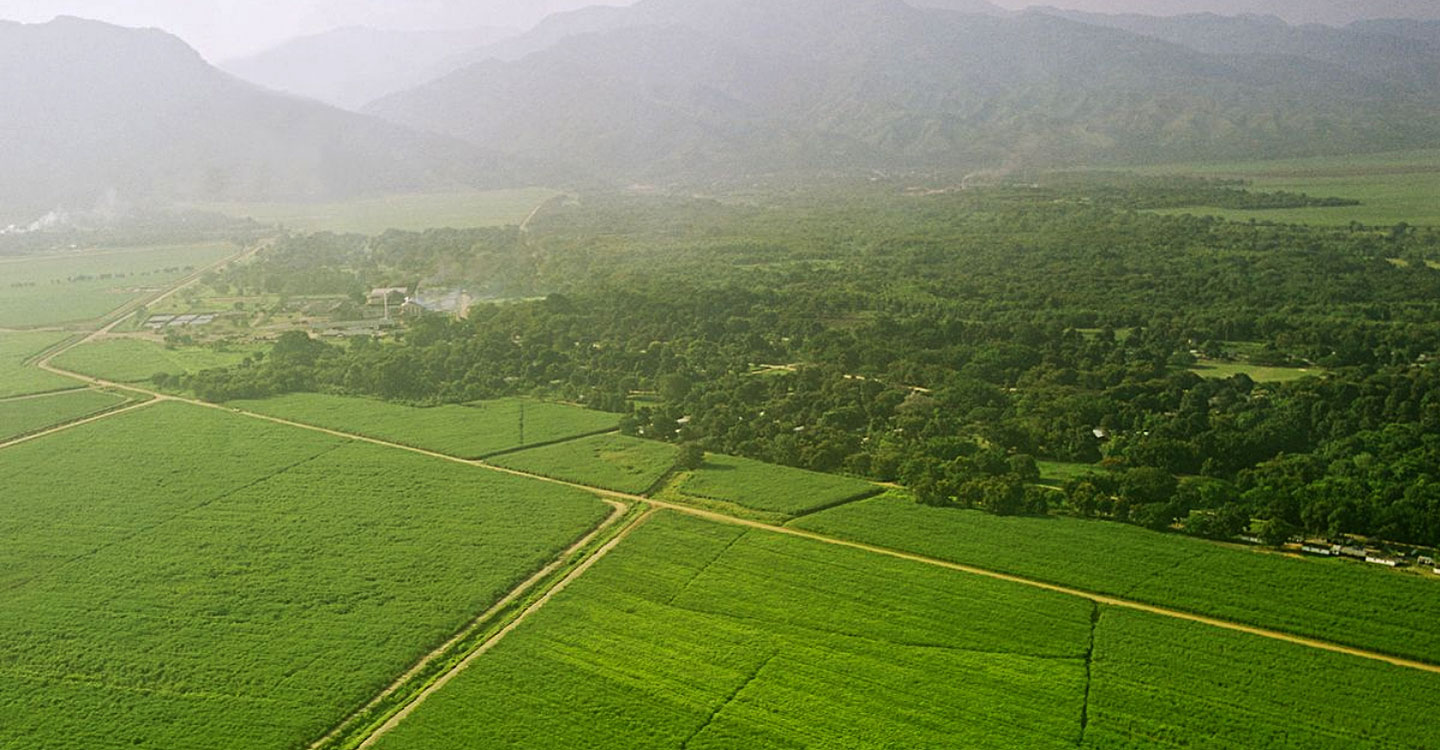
point(93, 109)
point(676, 87)
point(350, 67)
point(1330, 12)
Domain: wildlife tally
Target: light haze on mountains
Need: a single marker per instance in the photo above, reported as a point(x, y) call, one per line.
point(672, 92)
point(226, 29)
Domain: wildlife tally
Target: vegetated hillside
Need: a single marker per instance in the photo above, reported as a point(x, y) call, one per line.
point(1332, 12)
point(1425, 31)
point(743, 86)
point(354, 66)
point(93, 109)
point(1378, 50)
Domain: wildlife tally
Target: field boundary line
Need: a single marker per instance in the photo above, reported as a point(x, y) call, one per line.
point(126, 401)
point(547, 444)
point(202, 505)
point(729, 699)
point(1104, 599)
point(491, 642)
point(618, 511)
point(79, 422)
point(46, 394)
point(112, 320)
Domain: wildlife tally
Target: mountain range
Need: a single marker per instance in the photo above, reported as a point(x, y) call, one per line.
point(1330, 12)
point(695, 90)
point(94, 110)
point(352, 66)
point(740, 87)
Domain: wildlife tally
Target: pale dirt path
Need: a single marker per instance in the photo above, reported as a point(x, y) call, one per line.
point(491, 643)
point(78, 423)
point(1104, 599)
point(519, 591)
point(48, 394)
point(116, 317)
point(612, 497)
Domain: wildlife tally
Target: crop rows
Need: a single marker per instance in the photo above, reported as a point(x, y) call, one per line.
point(16, 379)
point(136, 360)
point(472, 431)
point(768, 487)
point(613, 462)
point(1326, 599)
point(1161, 683)
point(699, 635)
point(180, 577)
point(65, 289)
point(27, 416)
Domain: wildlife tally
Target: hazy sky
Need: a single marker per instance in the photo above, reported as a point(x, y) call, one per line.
point(222, 29)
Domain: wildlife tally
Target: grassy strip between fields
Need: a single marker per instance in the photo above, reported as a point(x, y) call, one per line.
point(361, 726)
point(23, 419)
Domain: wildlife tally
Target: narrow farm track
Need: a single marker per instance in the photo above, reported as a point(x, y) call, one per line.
point(80, 422)
point(621, 502)
point(1103, 599)
point(48, 394)
point(495, 639)
point(520, 590)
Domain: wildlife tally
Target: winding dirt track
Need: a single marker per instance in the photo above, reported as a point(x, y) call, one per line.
point(1107, 600)
point(620, 501)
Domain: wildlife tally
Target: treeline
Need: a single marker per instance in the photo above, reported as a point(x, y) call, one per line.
point(948, 342)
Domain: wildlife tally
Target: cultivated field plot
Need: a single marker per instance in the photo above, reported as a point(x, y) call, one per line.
point(30, 415)
point(136, 360)
point(613, 462)
point(55, 290)
point(416, 212)
point(179, 577)
point(1392, 187)
point(472, 431)
point(768, 487)
point(700, 635)
point(1160, 682)
point(1332, 600)
point(1257, 373)
point(16, 379)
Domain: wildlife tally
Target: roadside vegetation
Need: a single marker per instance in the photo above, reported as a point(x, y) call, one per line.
point(197, 579)
point(17, 377)
point(27, 416)
point(612, 462)
point(473, 430)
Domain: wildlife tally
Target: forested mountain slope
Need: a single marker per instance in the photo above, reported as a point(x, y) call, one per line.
point(741, 86)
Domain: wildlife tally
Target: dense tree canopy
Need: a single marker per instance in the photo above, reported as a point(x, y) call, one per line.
point(946, 341)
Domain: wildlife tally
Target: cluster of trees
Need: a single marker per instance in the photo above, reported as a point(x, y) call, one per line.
point(945, 342)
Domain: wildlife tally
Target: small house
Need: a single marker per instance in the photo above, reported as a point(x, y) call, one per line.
point(385, 295)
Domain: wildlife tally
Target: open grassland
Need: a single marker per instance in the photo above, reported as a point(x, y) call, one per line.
point(136, 360)
point(614, 462)
point(18, 379)
point(1392, 187)
point(416, 212)
point(32, 415)
point(470, 431)
point(1332, 600)
point(768, 487)
point(71, 288)
point(180, 577)
point(1221, 370)
point(699, 635)
point(1057, 473)
point(1165, 683)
